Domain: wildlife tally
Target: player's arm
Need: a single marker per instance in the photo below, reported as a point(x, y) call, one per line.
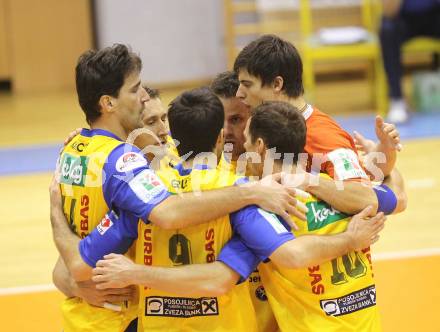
point(349, 197)
point(211, 279)
point(87, 289)
point(138, 189)
point(62, 279)
point(234, 265)
point(308, 250)
point(341, 162)
point(268, 237)
point(65, 240)
point(395, 183)
point(386, 148)
point(79, 255)
point(189, 209)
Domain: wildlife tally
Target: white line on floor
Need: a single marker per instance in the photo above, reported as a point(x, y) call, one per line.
point(422, 183)
point(27, 289)
point(383, 256)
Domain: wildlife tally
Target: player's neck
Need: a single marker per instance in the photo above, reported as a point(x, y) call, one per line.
point(111, 126)
point(298, 102)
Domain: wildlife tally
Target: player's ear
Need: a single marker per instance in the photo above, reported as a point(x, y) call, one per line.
point(221, 138)
point(278, 84)
point(106, 103)
point(261, 147)
point(219, 144)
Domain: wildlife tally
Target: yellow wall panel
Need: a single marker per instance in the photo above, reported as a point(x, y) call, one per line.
point(47, 36)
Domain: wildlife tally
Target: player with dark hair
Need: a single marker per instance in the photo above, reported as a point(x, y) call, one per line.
point(225, 86)
point(100, 172)
point(270, 69)
point(263, 233)
point(199, 244)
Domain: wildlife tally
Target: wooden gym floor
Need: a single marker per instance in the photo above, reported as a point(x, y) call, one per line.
point(407, 258)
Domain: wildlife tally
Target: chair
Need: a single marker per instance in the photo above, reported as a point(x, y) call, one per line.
point(314, 51)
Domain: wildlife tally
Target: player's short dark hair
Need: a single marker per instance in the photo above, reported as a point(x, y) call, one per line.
point(225, 85)
point(153, 93)
point(101, 73)
point(196, 118)
point(280, 125)
point(270, 56)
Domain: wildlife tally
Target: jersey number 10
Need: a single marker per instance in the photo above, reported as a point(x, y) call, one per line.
point(354, 268)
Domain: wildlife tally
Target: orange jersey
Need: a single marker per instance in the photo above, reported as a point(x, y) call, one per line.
point(332, 147)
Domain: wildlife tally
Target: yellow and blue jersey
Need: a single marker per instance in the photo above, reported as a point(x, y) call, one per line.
point(192, 245)
point(265, 317)
point(198, 244)
point(338, 295)
point(100, 172)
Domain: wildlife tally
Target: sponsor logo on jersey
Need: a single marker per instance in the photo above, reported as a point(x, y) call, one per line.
point(146, 185)
point(255, 277)
point(73, 169)
point(181, 307)
point(180, 184)
point(260, 293)
point(104, 225)
point(79, 146)
point(129, 161)
point(346, 164)
point(321, 214)
point(347, 304)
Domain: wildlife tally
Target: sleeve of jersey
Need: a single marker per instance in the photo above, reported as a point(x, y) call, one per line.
point(261, 231)
point(239, 258)
point(344, 164)
point(386, 199)
point(341, 159)
point(129, 183)
point(112, 235)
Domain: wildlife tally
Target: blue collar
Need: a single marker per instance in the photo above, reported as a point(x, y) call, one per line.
point(187, 171)
point(101, 132)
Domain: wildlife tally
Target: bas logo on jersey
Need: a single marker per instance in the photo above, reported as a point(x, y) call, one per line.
point(73, 169)
point(321, 214)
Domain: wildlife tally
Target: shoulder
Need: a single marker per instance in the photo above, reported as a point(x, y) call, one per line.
point(324, 134)
point(126, 157)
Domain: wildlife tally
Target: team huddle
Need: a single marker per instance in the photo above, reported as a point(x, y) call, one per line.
point(241, 207)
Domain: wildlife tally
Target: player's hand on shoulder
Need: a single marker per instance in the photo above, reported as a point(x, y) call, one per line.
point(364, 230)
point(71, 135)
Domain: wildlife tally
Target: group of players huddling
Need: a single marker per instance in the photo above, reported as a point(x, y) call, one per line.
point(159, 229)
